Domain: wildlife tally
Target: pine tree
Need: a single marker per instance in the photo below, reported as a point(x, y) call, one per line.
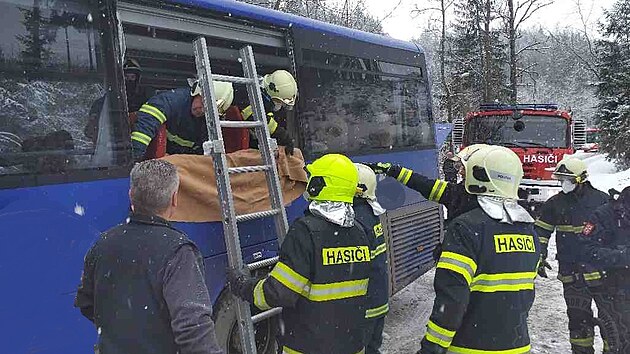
point(39, 35)
point(614, 87)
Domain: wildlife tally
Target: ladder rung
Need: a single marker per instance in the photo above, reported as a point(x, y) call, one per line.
point(264, 315)
point(234, 79)
point(237, 124)
point(247, 169)
point(262, 264)
point(258, 215)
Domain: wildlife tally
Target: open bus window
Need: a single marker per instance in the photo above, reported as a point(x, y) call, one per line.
point(352, 106)
point(60, 107)
point(527, 131)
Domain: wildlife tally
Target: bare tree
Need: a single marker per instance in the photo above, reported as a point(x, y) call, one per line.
point(518, 11)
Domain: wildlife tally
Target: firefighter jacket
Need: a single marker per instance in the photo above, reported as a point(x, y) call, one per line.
point(185, 133)
point(606, 243)
point(566, 214)
point(453, 196)
point(378, 289)
point(484, 285)
point(273, 122)
point(321, 282)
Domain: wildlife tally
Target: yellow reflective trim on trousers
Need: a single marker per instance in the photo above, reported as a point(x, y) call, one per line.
point(592, 276)
point(583, 342)
point(337, 291)
point(459, 264)
point(377, 311)
point(543, 225)
point(141, 138)
point(259, 296)
point(287, 350)
point(439, 335)
point(488, 283)
point(179, 141)
point(379, 250)
point(272, 125)
point(153, 111)
point(461, 350)
point(570, 228)
point(438, 189)
point(247, 112)
point(543, 239)
point(290, 278)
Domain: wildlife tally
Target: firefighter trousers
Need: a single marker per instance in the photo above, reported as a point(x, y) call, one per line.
point(374, 335)
point(581, 321)
point(613, 318)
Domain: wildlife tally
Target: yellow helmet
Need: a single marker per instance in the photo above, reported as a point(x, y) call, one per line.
point(281, 87)
point(367, 182)
point(466, 152)
point(224, 92)
point(333, 177)
point(494, 171)
point(571, 168)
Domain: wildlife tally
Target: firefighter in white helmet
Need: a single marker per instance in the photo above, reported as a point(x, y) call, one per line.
point(280, 93)
point(183, 113)
point(367, 211)
point(564, 215)
point(484, 280)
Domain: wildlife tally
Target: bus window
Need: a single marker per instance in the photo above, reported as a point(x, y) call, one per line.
point(354, 106)
point(62, 109)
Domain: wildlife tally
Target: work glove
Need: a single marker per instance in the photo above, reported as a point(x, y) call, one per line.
point(241, 283)
point(379, 167)
point(542, 268)
point(284, 139)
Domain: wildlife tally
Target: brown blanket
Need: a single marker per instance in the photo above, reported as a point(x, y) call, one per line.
point(198, 195)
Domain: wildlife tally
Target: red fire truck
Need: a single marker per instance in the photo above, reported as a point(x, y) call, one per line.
point(541, 134)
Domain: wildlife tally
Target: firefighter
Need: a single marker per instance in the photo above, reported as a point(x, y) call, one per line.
point(606, 242)
point(183, 113)
point(565, 214)
point(279, 93)
point(367, 211)
point(321, 278)
point(452, 195)
point(484, 280)
point(449, 169)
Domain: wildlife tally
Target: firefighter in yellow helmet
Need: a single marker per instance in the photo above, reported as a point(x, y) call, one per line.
point(484, 280)
point(321, 279)
point(183, 113)
point(280, 93)
point(564, 215)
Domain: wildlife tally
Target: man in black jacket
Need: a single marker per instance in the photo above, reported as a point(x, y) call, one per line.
point(143, 281)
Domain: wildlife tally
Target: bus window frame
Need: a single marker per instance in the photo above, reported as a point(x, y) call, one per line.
point(114, 75)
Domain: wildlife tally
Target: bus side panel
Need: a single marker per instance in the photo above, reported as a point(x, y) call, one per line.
point(43, 241)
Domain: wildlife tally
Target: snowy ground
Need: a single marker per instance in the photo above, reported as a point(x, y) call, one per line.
point(410, 308)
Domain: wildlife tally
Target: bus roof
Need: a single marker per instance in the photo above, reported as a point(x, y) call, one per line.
point(282, 19)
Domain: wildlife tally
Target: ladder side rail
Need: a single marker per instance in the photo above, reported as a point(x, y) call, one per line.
point(215, 148)
point(265, 143)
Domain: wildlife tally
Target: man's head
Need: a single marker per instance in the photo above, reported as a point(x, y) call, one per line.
point(333, 178)
point(366, 188)
point(493, 171)
point(132, 71)
point(282, 88)
point(153, 190)
point(571, 172)
point(464, 154)
point(223, 91)
point(449, 155)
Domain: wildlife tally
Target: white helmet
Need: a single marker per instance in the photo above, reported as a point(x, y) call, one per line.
point(571, 168)
point(224, 91)
point(466, 152)
point(367, 182)
point(281, 87)
point(493, 171)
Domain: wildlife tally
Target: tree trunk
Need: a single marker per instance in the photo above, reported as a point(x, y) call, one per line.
point(487, 53)
point(449, 104)
point(512, 42)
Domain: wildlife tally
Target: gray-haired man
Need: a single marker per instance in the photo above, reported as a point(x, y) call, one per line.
point(143, 283)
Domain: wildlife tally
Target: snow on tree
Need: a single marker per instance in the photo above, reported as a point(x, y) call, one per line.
point(614, 87)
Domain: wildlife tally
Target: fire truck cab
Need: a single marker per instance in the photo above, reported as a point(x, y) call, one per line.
point(540, 134)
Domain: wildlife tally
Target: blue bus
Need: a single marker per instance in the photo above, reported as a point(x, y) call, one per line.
point(361, 94)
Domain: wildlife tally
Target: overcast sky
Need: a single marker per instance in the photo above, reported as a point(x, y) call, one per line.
point(562, 13)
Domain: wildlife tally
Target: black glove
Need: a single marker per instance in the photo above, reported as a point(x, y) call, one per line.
point(284, 139)
point(541, 268)
point(241, 283)
point(379, 167)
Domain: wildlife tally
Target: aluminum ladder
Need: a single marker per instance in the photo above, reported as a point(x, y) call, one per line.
point(215, 147)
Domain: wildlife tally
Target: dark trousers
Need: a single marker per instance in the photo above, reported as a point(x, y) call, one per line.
point(581, 322)
point(613, 307)
point(374, 335)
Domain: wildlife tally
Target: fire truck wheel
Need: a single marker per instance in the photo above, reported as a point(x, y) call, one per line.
point(227, 330)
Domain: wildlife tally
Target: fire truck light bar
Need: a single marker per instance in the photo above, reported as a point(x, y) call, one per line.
point(507, 107)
